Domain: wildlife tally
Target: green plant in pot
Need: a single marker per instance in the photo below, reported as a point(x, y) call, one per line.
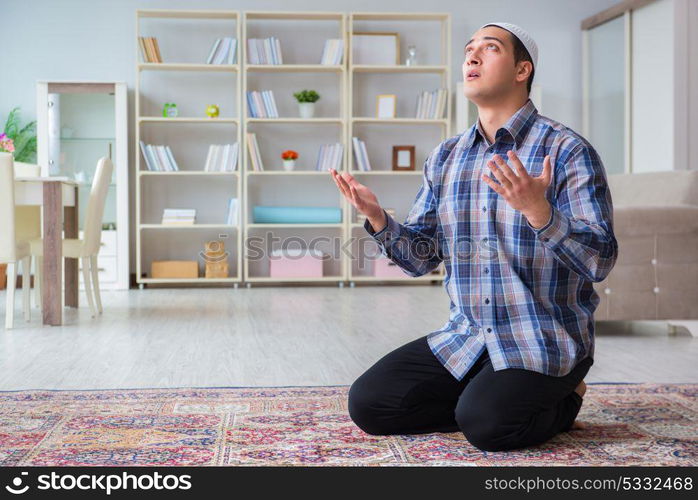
point(306, 102)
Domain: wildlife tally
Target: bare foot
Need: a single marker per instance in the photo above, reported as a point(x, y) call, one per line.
point(578, 425)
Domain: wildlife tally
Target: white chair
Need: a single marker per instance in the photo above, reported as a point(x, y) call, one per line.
point(12, 250)
point(28, 219)
point(86, 249)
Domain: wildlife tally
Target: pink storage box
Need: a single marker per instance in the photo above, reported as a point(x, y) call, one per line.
point(296, 263)
point(386, 268)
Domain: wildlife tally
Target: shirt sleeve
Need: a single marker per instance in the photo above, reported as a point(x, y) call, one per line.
point(580, 229)
point(414, 245)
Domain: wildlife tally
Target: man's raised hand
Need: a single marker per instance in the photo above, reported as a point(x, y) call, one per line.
point(361, 197)
point(521, 191)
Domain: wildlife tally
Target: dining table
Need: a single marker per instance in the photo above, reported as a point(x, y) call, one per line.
point(58, 199)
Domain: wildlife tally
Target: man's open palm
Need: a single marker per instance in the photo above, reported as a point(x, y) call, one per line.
point(521, 191)
point(360, 196)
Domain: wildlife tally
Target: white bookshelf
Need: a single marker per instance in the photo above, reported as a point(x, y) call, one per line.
point(303, 186)
point(340, 115)
point(191, 186)
point(431, 33)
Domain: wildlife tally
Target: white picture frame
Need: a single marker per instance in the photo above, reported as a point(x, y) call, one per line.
point(376, 49)
point(386, 105)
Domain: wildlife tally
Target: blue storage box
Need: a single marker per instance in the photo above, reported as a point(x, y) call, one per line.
point(296, 215)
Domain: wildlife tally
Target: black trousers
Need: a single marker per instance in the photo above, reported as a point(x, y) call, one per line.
point(409, 391)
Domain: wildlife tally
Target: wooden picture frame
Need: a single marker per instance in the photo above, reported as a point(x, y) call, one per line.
point(386, 105)
point(375, 48)
point(403, 158)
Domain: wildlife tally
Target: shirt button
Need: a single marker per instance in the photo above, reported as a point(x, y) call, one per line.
point(487, 301)
point(489, 330)
point(484, 209)
point(487, 271)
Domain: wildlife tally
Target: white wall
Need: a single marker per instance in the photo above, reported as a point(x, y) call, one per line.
point(95, 40)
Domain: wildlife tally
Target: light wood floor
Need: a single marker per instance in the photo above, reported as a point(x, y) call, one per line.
point(273, 337)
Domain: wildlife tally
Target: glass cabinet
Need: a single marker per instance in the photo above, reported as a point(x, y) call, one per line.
point(77, 124)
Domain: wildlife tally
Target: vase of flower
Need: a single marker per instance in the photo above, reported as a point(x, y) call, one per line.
point(306, 102)
point(289, 158)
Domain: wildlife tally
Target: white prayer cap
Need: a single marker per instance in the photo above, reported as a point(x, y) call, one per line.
point(522, 35)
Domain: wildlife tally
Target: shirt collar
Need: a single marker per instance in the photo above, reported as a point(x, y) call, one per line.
point(517, 126)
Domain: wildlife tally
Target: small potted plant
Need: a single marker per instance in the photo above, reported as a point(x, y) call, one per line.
point(289, 157)
point(306, 102)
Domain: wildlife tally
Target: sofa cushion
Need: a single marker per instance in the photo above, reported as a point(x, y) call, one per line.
point(648, 220)
point(654, 188)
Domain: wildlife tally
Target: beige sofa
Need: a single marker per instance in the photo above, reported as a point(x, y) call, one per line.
point(656, 225)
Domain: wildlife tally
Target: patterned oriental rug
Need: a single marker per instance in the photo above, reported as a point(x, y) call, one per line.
point(627, 424)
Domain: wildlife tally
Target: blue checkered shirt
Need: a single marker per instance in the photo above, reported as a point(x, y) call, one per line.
point(524, 294)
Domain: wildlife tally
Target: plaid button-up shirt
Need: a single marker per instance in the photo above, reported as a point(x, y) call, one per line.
point(524, 294)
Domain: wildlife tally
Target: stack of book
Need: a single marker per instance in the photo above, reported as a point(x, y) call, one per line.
point(232, 216)
point(255, 156)
point(150, 51)
point(360, 154)
point(222, 158)
point(158, 158)
point(332, 53)
point(224, 51)
point(264, 51)
point(361, 218)
point(179, 216)
point(431, 105)
point(330, 156)
point(262, 104)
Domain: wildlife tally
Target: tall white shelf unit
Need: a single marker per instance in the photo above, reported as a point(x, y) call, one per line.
point(192, 175)
point(274, 186)
point(383, 178)
point(336, 119)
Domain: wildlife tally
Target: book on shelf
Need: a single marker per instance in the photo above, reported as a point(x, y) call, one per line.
point(255, 156)
point(332, 52)
point(262, 104)
point(223, 51)
point(360, 155)
point(222, 158)
point(232, 214)
point(431, 105)
point(158, 158)
point(150, 50)
point(179, 216)
point(264, 51)
point(329, 156)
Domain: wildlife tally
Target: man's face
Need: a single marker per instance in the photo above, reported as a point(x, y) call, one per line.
point(488, 69)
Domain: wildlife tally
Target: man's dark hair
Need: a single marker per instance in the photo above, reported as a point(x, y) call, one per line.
point(521, 54)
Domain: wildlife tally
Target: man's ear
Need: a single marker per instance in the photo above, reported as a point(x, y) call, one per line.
point(523, 70)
